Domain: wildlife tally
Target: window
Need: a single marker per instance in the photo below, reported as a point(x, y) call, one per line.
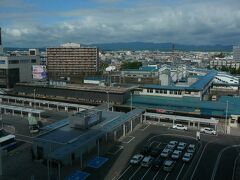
point(33, 60)
point(165, 91)
point(2, 61)
point(14, 62)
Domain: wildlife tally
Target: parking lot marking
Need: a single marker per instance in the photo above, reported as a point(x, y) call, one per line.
point(144, 128)
point(180, 171)
point(201, 157)
point(234, 167)
point(135, 173)
point(119, 149)
point(146, 173)
point(156, 175)
point(124, 172)
point(166, 176)
point(126, 142)
point(218, 159)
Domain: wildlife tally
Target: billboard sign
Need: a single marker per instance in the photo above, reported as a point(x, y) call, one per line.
point(39, 72)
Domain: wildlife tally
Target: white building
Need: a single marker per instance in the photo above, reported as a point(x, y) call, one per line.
point(17, 67)
point(236, 53)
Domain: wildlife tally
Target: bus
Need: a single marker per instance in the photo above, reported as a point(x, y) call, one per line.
point(7, 142)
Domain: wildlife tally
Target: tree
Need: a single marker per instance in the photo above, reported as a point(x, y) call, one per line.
point(131, 65)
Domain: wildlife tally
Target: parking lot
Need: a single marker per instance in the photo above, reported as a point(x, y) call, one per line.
point(134, 171)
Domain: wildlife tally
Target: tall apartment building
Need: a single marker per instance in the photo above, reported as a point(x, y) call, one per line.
point(70, 61)
point(236, 53)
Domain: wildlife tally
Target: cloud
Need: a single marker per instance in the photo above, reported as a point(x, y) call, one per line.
point(187, 22)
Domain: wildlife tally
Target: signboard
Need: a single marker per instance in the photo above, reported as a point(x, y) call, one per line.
point(39, 72)
point(160, 110)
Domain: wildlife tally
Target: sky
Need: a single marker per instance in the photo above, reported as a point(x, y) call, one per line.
point(45, 23)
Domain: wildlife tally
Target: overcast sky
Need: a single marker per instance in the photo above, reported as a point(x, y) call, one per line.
point(41, 23)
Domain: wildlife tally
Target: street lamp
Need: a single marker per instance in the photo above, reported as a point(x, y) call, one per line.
point(226, 119)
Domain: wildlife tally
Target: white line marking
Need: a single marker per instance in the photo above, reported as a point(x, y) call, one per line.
point(201, 157)
point(234, 167)
point(218, 159)
point(146, 173)
point(156, 175)
point(144, 128)
point(119, 149)
point(132, 137)
point(135, 172)
point(180, 171)
point(124, 172)
point(166, 176)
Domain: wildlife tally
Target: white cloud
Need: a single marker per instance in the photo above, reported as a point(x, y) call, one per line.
point(190, 22)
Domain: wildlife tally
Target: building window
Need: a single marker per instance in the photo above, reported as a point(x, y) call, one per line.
point(33, 60)
point(2, 61)
point(14, 62)
point(165, 91)
point(171, 92)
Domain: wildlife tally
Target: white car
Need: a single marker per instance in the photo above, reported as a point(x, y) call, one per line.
point(136, 159)
point(166, 152)
point(176, 154)
point(191, 148)
point(208, 131)
point(181, 146)
point(187, 157)
point(180, 127)
point(147, 161)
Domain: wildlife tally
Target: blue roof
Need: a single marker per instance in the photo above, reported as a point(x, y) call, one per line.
point(75, 139)
point(199, 85)
point(189, 104)
point(203, 81)
point(147, 68)
point(155, 86)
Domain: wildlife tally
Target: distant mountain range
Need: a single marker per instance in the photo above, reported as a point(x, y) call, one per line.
point(137, 46)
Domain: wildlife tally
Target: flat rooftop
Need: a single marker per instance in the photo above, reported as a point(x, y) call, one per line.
point(199, 85)
point(81, 87)
point(65, 134)
point(189, 104)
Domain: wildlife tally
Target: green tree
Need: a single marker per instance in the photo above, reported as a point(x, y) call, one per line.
point(131, 65)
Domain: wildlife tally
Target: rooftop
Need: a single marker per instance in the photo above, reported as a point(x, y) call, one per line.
point(189, 104)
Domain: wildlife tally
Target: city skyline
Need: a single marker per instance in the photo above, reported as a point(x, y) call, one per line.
point(28, 23)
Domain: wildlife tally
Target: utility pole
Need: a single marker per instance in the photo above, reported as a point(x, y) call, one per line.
point(34, 96)
point(108, 100)
point(131, 100)
point(226, 119)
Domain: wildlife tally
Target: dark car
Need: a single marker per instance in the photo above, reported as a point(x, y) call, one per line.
point(155, 151)
point(146, 149)
point(156, 165)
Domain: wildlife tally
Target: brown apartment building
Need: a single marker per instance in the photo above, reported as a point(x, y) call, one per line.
point(70, 61)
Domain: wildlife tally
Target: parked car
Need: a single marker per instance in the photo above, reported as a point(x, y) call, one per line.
point(147, 161)
point(208, 131)
point(155, 151)
point(168, 165)
point(156, 165)
point(172, 145)
point(166, 152)
point(187, 157)
point(180, 127)
point(191, 148)
point(176, 154)
point(181, 146)
point(136, 159)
